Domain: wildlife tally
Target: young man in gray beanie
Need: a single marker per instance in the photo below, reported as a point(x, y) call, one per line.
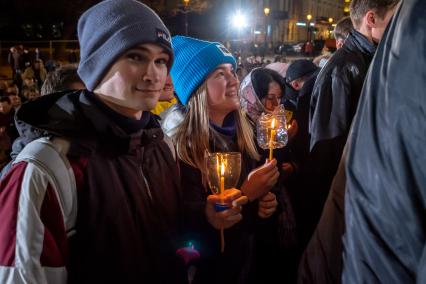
point(117, 219)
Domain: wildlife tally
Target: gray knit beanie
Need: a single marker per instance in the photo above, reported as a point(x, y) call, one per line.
point(110, 28)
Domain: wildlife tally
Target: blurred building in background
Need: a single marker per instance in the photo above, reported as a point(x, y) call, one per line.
point(242, 24)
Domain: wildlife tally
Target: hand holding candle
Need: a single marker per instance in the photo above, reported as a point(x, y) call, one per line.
point(227, 218)
point(223, 171)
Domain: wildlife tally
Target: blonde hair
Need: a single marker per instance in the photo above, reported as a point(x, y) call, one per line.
point(193, 134)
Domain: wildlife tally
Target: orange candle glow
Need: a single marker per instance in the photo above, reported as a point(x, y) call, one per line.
point(222, 178)
point(222, 189)
point(271, 141)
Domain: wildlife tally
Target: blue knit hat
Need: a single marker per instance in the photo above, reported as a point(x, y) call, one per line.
point(110, 28)
point(194, 60)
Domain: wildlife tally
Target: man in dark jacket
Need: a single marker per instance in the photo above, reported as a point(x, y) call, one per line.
point(386, 178)
point(126, 178)
point(338, 86)
point(322, 262)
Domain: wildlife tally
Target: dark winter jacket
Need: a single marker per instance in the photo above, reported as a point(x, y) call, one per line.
point(129, 198)
point(337, 89)
point(299, 184)
point(385, 203)
point(321, 261)
point(333, 105)
point(300, 143)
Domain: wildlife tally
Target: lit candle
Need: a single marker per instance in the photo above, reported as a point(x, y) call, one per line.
point(222, 189)
point(288, 117)
point(222, 178)
point(271, 141)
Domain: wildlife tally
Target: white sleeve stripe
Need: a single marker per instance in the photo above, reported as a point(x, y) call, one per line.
point(30, 229)
point(11, 275)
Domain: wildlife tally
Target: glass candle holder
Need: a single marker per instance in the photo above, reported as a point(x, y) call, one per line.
point(271, 131)
point(223, 172)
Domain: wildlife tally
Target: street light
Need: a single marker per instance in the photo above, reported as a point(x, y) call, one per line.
point(309, 18)
point(186, 3)
point(330, 29)
point(266, 10)
point(239, 20)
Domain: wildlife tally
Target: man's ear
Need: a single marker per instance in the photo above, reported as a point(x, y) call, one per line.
point(370, 19)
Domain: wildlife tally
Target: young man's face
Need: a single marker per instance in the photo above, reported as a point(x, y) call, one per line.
point(135, 81)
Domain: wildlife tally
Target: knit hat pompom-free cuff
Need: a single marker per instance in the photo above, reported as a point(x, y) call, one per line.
point(108, 29)
point(194, 60)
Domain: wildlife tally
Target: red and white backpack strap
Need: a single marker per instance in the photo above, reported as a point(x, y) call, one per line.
point(50, 155)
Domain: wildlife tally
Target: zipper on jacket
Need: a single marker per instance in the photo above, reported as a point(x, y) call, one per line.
point(140, 159)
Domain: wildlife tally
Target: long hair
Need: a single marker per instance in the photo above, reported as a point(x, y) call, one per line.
point(194, 133)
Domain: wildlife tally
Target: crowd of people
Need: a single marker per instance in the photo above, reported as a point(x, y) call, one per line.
point(104, 176)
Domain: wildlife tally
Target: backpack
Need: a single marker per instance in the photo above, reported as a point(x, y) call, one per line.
point(49, 154)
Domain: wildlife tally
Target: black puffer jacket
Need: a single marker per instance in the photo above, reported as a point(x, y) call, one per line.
point(385, 202)
point(129, 198)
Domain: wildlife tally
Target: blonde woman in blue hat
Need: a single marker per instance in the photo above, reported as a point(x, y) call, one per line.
point(207, 87)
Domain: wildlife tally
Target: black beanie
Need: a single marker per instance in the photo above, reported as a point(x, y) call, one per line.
point(300, 68)
point(110, 28)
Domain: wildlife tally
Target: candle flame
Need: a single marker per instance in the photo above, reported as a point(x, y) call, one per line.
point(222, 169)
point(273, 123)
point(217, 164)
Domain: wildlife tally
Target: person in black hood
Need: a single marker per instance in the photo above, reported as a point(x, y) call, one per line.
point(127, 181)
point(262, 91)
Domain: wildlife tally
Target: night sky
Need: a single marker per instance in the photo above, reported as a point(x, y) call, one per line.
point(33, 20)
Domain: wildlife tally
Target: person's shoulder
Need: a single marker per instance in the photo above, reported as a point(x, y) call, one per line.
point(340, 57)
point(340, 64)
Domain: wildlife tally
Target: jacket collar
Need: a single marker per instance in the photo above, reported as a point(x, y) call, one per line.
point(357, 40)
point(73, 116)
point(116, 136)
